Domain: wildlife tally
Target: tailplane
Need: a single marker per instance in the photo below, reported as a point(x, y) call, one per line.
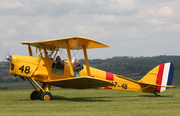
point(161, 75)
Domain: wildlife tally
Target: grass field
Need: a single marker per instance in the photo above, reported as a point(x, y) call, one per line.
point(70, 102)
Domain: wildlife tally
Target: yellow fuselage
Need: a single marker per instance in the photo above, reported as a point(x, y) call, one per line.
point(41, 69)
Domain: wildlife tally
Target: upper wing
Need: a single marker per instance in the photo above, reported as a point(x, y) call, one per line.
point(75, 43)
point(85, 82)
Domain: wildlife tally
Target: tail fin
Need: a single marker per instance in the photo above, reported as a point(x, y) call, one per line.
point(160, 75)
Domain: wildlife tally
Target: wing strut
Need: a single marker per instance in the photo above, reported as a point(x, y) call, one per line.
point(30, 51)
point(86, 61)
point(69, 59)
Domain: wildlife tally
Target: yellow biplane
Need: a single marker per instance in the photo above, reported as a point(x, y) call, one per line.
point(44, 65)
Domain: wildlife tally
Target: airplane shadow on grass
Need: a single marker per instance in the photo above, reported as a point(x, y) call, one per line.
point(78, 99)
point(155, 96)
point(97, 99)
point(86, 99)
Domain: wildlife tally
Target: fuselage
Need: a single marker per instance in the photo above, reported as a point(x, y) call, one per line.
point(120, 82)
point(41, 69)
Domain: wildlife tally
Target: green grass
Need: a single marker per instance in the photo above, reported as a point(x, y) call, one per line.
point(70, 102)
point(15, 85)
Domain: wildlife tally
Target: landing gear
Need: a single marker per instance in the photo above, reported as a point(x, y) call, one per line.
point(34, 95)
point(156, 93)
point(43, 94)
point(46, 96)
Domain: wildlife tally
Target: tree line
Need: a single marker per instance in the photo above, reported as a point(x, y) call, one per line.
point(126, 65)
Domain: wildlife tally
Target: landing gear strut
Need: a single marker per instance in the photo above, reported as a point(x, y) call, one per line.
point(42, 94)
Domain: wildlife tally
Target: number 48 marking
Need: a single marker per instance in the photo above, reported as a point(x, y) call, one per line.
point(26, 69)
point(124, 86)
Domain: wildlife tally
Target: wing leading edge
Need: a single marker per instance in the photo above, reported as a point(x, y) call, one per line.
point(75, 43)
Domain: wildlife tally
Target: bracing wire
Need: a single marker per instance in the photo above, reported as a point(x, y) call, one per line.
point(75, 54)
point(64, 53)
point(80, 54)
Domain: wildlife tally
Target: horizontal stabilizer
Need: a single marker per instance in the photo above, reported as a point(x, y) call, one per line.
point(156, 85)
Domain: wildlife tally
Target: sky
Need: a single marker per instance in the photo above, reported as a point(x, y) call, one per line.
point(130, 27)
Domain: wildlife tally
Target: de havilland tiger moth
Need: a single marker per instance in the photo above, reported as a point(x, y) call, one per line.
point(44, 65)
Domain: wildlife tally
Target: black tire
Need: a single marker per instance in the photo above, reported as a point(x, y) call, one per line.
point(33, 95)
point(156, 93)
point(46, 96)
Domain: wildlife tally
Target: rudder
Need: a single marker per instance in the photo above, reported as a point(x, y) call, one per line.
point(160, 75)
point(165, 76)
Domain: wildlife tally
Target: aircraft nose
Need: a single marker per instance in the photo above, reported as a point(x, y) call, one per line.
point(8, 58)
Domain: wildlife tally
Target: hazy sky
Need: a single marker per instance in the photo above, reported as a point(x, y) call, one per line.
point(129, 27)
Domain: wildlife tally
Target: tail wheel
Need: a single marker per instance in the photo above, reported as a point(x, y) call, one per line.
point(34, 95)
point(156, 92)
point(46, 96)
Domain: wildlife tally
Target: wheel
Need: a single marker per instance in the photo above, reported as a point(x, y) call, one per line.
point(33, 95)
point(156, 93)
point(46, 96)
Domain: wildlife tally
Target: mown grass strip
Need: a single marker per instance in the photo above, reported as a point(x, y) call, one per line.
point(68, 102)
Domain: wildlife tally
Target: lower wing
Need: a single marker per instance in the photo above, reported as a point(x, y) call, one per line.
point(84, 82)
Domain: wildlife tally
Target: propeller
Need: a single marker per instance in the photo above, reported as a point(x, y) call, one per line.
point(8, 58)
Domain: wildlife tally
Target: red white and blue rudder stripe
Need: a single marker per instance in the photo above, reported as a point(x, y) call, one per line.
point(165, 76)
